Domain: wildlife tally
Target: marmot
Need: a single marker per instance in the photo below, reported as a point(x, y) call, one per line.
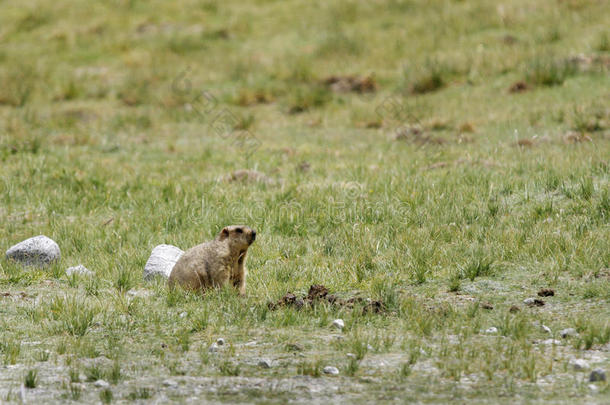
point(215, 263)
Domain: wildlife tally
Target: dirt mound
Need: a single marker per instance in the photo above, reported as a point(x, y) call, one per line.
point(546, 292)
point(318, 293)
point(344, 84)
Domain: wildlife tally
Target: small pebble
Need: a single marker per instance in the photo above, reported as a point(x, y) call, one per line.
point(170, 383)
point(183, 315)
point(597, 375)
point(264, 363)
point(101, 384)
point(351, 356)
point(579, 364)
point(330, 370)
point(546, 329)
point(550, 342)
point(213, 348)
point(491, 330)
point(565, 333)
point(339, 324)
point(533, 302)
point(220, 342)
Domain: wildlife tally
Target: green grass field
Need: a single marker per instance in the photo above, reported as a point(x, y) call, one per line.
point(459, 163)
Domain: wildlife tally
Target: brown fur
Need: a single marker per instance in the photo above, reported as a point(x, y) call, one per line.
point(215, 263)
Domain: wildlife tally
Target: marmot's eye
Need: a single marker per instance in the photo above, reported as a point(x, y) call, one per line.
point(239, 230)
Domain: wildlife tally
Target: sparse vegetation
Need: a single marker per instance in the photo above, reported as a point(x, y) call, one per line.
point(119, 136)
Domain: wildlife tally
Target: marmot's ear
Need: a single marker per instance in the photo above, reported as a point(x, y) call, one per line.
point(224, 233)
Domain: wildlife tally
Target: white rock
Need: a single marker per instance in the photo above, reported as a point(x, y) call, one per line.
point(39, 251)
point(339, 324)
point(80, 270)
point(220, 342)
point(101, 384)
point(330, 370)
point(579, 364)
point(529, 301)
point(252, 343)
point(351, 356)
point(565, 333)
point(492, 330)
point(183, 314)
point(550, 342)
point(170, 383)
point(597, 375)
point(264, 363)
point(213, 348)
point(546, 329)
point(161, 261)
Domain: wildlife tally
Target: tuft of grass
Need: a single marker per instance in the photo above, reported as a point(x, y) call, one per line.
point(229, 369)
point(140, 393)
point(310, 368)
point(31, 379)
point(10, 350)
point(548, 71)
point(72, 315)
point(106, 396)
point(603, 43)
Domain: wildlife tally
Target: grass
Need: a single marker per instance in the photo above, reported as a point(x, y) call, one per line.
point(118, 137)
point(31, 379)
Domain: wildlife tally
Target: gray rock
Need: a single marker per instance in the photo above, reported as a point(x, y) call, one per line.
point(213, 348)
point(597, 375)
point(264, 363)
point(579, 364)
point(170, 383)
point(39, 251)
point(101, 384)
point(330, 370)
point(550, 342)
point(161, 261)
point(547, 329)
point(79, 270)
point(492, 331)
point(569, 332)
point(339, 324)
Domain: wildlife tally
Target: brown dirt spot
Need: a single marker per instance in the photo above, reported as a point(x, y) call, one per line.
point(518, 87)
point(417, 135)
point(525, 143)
point(514, 309)
point(304, 166)
point(466, 127)
point(357, 84)
point(576, 137)
point(546, 292)
point(249, 176)
point(487, 305)
point(248, 97)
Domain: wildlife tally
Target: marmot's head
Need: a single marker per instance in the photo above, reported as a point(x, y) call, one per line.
point(239, 237)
